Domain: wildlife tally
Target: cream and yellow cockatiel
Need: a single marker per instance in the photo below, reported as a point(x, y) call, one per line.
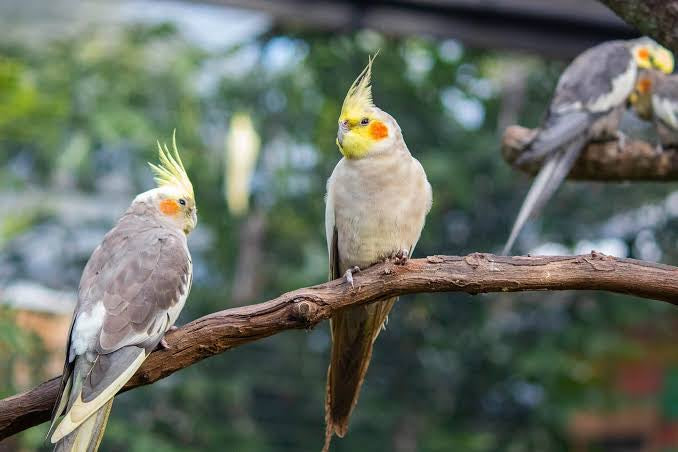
point(131, 292)
point(377, 200)
point(588, 104)
point(655, 99)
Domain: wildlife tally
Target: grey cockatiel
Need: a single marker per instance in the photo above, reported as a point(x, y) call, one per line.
point(655, 98)
point(377, 200)
point(588, 103)
point(131, 292)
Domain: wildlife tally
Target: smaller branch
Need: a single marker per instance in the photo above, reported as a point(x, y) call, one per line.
point(602, 161)
point(304, 308)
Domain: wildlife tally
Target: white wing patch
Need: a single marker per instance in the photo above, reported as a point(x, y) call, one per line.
point(622, 86)
point(666, 109)
point(86, 331)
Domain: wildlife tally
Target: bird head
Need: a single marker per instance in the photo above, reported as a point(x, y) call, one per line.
point(364, 129)
point(641, 97)
point(173, 199)
point(650, 55)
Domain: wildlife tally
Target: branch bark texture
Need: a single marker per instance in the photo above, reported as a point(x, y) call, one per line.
point(655, 18)
point(610, 161)
point(304, 308)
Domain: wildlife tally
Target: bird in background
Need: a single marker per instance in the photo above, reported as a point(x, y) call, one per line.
point(131, 292)
point(589, 101)
point(377, 200)
point(655, 98)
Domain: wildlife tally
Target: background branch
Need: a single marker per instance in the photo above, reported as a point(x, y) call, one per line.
point(304, 308)
point(604, 161)
point(655, 18)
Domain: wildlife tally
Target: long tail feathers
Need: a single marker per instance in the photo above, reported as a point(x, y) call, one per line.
point(558, 131)
point(551, 175)
point(87, 437)
point(353, 334)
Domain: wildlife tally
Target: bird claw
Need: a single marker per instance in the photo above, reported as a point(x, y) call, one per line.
point(348, 276)
point(163, 345)
point(622, 140)
point(401, 257)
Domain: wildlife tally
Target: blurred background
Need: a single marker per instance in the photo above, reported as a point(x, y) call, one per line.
point(86, 87)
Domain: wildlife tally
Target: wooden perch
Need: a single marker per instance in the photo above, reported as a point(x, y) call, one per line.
point(304, 308)
point(602, 161)
point(655, 18)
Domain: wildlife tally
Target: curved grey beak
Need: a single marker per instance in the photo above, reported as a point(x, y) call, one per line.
point(343, 128)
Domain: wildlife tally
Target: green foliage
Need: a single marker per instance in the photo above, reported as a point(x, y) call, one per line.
point(16, 346)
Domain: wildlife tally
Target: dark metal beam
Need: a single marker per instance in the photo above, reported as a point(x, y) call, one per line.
point(555, 28)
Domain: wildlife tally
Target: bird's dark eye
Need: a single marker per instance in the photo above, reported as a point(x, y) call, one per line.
point(364, 121)
point(182, 202)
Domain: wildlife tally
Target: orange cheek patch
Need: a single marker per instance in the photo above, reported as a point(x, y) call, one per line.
point(169, 207)
point(378, 130)
point(644, 54)
point(644, 85)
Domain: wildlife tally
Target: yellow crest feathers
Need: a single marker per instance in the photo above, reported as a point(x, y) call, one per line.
point(359, 96)
point(171, 169)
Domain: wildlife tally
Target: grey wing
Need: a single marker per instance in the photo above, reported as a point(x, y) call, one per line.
point(595, 74)
point(138, 276)
point(595, 83)
point(331, 233)
point(423, 187)
point(103, 256)
point(665, 101)
point(557, 131)
point(335, 272)
point(151, 279)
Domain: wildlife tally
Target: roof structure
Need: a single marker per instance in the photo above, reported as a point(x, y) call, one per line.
point(554, 28)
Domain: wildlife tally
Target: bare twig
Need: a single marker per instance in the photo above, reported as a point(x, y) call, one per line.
point(604, 161)
point(304, 308)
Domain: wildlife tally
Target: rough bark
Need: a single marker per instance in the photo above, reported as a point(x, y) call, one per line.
point(602, 161)
point(304, 308)
point(655, 18)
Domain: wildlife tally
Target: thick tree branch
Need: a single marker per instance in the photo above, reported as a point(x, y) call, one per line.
point(604, 161)
point(304, 308)
point(655, 18)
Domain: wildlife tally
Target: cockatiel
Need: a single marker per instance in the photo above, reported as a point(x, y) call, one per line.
point(655, 98)
point(377, 200)
point(588, 104)
point(131, 292)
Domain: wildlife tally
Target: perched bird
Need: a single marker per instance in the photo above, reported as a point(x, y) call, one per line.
point(588, 104)
point(131, 292)
point(377, 200)
point(655, 98)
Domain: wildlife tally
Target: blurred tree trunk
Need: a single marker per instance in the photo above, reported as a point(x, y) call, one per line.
point(248, 274)
point(407, 431)
point(655, 18)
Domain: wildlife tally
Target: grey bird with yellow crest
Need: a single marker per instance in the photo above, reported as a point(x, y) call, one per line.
point(655, 98)
point(377, 200)
point(131, 292)
point(588, 104)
